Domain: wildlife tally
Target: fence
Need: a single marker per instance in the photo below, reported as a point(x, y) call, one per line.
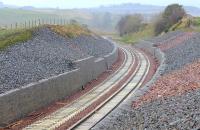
point(35, 23)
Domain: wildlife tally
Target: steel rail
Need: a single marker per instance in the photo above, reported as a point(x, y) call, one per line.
point(67, 113)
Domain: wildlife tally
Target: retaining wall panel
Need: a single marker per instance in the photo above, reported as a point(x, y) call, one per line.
point(19, 102)
point(100, 66)
point(25, 100)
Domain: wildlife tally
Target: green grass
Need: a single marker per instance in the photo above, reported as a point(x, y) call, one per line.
point(196, 21)
point(184, 26)
point(10, 37)
point(95, 21)
point(11, 16)
point(196, 24)
point(70, 30)
point(147, 32)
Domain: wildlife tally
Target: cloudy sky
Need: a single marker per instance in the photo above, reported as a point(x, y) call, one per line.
point(93, 3)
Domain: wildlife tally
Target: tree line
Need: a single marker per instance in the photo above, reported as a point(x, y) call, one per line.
point(162, 22)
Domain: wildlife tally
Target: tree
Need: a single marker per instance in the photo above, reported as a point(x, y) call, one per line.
point(171, 15)
point(129, 24)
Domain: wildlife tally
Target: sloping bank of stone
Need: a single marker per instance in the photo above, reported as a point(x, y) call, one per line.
point(22, 100)
point(121, 117)
point(125, 117)
point(180, 111)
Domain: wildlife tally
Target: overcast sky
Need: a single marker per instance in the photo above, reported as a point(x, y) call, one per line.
point(93, 3)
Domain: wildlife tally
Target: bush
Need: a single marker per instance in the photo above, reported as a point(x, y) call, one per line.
point(129, 24)
point(171, 15)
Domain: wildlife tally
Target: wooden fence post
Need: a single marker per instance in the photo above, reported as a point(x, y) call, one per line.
point(29, 24)
point(25, 24)
point(15, 25)
point(32, 23)
point(39, 22)
point(35, 23)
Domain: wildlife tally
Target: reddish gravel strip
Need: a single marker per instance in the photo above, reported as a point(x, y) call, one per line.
point(39, 114)
point(174, 42)
point(175, 83)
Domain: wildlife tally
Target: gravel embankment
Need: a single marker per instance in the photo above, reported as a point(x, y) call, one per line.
point(175, 83)
point(45, 55)
point(183, 54)
point(166, 37)
point(173, 113)
point(173, 102)
point(175, 42)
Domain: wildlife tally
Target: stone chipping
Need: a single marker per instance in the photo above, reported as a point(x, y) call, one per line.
point(178, 111)
point(46, 54)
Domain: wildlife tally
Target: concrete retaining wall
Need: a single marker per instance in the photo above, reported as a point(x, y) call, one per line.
point(156, 52)
point(159, 55)
point(17, 103)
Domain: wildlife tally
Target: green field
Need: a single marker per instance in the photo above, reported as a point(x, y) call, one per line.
point(132, 38)
point(95, 21)
point(11, 16)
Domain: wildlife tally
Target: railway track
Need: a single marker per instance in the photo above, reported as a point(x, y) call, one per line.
point(102, 99)
point(134, 82)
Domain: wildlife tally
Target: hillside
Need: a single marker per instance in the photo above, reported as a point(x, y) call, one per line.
point(187, 23)
point(46, 53)
point(11, 16)
point(131, 8)
point(94, 20)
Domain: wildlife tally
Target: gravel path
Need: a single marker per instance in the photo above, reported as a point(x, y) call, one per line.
point(175, 103)
point(45, 55)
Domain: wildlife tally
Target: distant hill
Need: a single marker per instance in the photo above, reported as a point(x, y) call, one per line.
point(28, 8)
point(130, 8)
point(101, 18)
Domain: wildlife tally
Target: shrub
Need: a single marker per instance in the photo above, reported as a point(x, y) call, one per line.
point(171, 15)
point(129, 24)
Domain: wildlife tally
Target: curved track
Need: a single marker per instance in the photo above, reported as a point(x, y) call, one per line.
point(135, 81)
point(102, 99)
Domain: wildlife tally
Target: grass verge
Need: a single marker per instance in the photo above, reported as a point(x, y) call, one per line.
point(10, 37)
point(70, 30)
point(147, 32)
